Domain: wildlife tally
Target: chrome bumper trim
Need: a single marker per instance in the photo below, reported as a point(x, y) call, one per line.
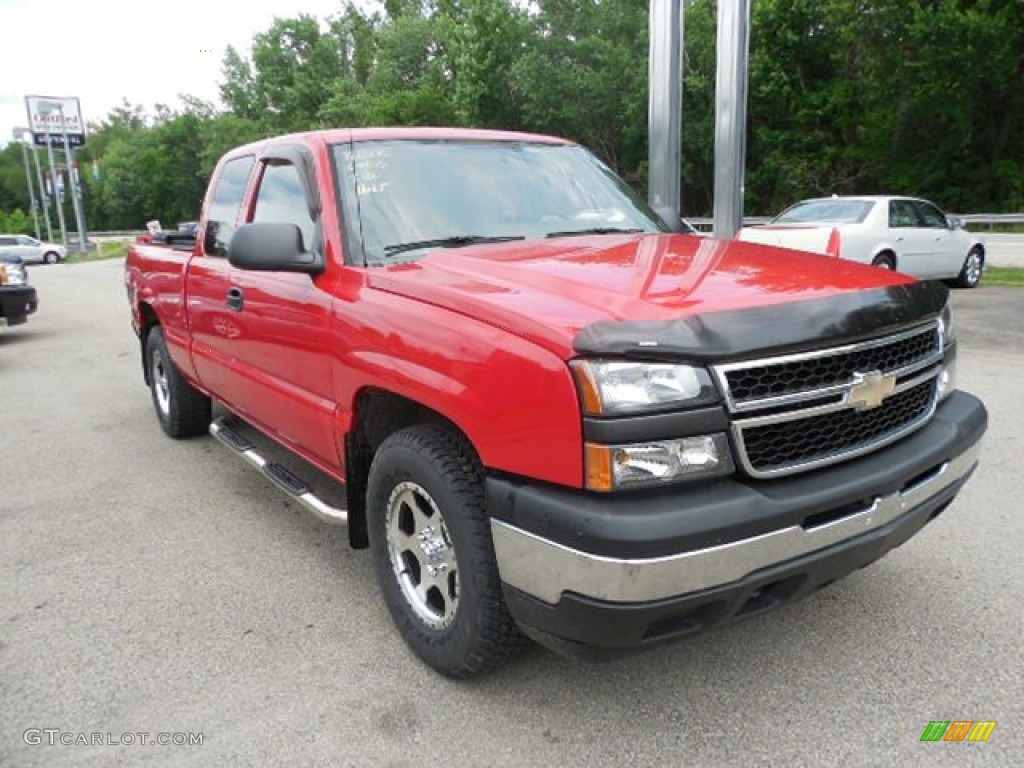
point(545, 570)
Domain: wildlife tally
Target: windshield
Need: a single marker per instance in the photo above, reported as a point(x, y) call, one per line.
point(838, 211)
point(416, 195)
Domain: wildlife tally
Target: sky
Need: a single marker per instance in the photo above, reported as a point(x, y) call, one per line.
point(146, 51)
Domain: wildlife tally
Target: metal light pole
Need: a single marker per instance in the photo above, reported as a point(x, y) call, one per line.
point(16, 134)
point(43, 197)
point(731, 115)
point(53, 185)
point(665, 108)
point(73, 182)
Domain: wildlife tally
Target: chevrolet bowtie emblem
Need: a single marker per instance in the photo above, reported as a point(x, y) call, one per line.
point(869, 390)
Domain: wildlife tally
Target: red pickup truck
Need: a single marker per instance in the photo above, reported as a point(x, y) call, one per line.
point(548, 414)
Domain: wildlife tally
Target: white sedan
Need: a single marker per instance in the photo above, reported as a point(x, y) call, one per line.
point(904, 233)
point(32, 251)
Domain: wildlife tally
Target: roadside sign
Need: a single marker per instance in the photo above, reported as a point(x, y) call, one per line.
point(44, 113)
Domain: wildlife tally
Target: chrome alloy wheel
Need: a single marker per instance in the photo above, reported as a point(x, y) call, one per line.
point(422, 555)
point(160, 385)
point(972, 269)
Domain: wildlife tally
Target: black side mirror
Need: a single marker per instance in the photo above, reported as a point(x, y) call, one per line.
point(272, 246)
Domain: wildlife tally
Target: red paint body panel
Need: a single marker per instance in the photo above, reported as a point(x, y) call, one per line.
point(479, 334)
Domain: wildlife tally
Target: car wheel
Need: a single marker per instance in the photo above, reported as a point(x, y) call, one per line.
point(183, 411)
point(431, 542)
point(51, 257)
point(884, 261)
point(974, 265)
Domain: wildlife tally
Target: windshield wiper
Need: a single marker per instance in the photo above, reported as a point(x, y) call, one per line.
point(594, 231)
point(453, 241)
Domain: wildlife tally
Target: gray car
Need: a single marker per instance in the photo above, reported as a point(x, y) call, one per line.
point(32, 251)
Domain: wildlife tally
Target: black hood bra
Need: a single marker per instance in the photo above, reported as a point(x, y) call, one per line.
point(775, 329)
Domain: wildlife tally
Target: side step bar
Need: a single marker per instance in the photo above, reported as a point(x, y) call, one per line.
point(278, 474)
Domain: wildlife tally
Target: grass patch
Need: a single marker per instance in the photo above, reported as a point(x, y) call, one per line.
point(1012, 276)
point(110, 249)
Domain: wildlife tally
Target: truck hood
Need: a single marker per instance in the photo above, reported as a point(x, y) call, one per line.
point(549, 291)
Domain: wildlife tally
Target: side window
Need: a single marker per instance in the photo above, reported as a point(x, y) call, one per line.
point(8, 241)
point(281, 198)
point(902, 214)
point(25, 241)
point(933, 217)
point(222, 214)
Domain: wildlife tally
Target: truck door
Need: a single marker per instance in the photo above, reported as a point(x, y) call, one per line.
point(285, 381)
point(214, 325)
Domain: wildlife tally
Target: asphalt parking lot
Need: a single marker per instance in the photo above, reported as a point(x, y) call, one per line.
point(153, 586)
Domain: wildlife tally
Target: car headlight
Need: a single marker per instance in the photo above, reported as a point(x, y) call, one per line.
point(947, 332)
point(611, 467)
point(947, 326)
point(613, 388)
point(11, 274)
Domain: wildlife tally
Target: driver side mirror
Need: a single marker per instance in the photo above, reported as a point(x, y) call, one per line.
point(272, 246)
point(955, 222)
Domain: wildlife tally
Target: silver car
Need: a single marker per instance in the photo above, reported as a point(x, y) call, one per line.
point(32, 251)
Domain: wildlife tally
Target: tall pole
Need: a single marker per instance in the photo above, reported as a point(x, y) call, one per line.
point(56, 195)
point(731, 115)
point(43, 197)
point(665, 108)
point(73, 183)
point(31, 186)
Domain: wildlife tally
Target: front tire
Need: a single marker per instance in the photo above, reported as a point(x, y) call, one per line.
point(974, 265)
point(181, 409)
point(431, 542)
point(51, 257)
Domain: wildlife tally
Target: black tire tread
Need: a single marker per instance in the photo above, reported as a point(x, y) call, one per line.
point(190, 409)
point(458, 465)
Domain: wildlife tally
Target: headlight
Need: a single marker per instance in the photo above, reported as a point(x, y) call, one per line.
point(947, 326)
point(947, 331)
point(613, 388)
point(610, 467)
point(11, 274)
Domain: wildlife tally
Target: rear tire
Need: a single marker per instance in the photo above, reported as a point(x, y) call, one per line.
point(431, 542)
point(974, 266)
point(884, 261)
point(181, 409)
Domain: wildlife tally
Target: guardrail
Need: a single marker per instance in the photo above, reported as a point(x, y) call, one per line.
point(118, 233)
point(992, 219)
point(703, 224)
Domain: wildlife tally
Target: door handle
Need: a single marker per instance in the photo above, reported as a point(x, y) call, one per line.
point(235, 299)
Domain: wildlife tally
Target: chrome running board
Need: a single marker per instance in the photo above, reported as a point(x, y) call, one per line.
point(278, 474)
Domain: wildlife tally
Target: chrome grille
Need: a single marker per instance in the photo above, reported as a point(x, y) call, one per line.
point(792, 442)
point(798, 412)
point(806, 373)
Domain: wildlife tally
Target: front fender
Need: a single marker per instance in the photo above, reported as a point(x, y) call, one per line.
point(514, 400)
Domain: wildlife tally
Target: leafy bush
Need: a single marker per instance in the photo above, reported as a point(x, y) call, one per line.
point(17, 222)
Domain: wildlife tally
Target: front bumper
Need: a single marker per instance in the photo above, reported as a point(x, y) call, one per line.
point(17, 302)
point(582, 571)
